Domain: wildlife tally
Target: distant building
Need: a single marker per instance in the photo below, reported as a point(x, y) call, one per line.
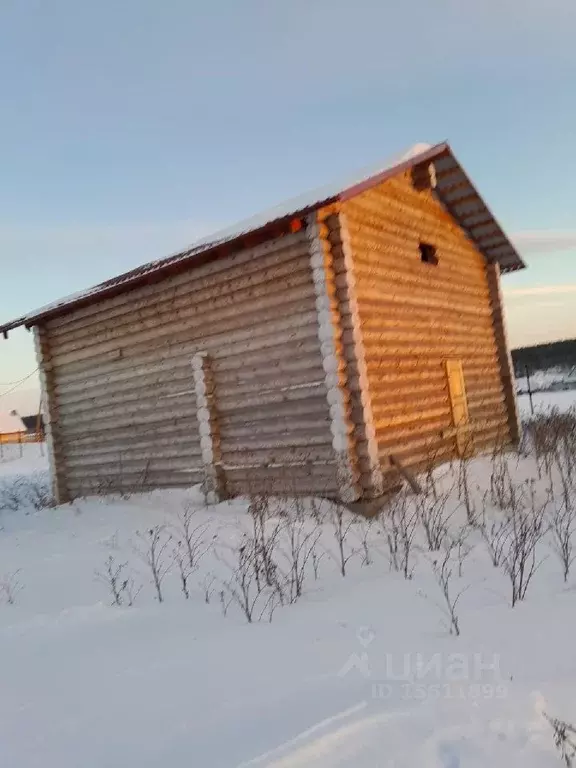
point(316, 350)
point(34, 426)
point(12, 429)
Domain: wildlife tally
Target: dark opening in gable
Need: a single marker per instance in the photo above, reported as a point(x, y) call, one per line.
point(428, 253)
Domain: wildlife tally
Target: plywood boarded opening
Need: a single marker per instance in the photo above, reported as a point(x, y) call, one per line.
point(459, 405)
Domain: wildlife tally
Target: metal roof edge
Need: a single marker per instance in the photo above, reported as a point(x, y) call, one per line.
point(155, 271)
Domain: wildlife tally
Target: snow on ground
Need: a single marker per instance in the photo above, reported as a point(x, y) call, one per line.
point(23, 459)
point(551, 378)
point(360, 671)
point(544, 401)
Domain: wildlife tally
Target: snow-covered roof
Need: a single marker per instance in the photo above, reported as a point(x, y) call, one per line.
point(453, 188)
point(10, 422)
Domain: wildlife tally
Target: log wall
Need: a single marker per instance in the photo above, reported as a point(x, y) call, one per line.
point(122, 390)
point(413, 316)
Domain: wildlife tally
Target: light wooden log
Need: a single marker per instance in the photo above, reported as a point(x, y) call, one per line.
point(357, 361)
point(51, 416)
point(332, 359)
point(214, 483)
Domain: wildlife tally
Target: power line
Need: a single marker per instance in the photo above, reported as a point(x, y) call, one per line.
point(10, 383)
point(18, 383)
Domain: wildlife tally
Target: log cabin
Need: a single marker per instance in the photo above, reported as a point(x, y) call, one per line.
point(313, 350)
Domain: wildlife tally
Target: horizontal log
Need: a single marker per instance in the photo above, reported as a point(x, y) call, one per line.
point(378, 297)
point(288, 427)
point(77, 428)
point(272, 453)
point(387, 251)
point(170, 461)
point(104, 408)
point(196, 314)
point(179, 430)
point(396, 317)
point(302, 339)
point(299, 412)
point(382, 356)
point(157, 446)
point(104, 481)
point(303, 440)
point(208, 337)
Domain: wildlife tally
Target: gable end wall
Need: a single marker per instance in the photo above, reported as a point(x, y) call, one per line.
point(414, 316)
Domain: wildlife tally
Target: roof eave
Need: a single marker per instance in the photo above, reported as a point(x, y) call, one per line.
point(180, 261)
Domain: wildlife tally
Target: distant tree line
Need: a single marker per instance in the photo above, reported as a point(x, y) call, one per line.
point(557, 354)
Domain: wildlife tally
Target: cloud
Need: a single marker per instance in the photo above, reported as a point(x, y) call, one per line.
point(544, 241)
point(540, 290)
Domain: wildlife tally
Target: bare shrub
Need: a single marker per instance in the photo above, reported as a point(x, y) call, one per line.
point(400, 524)
point(564, 739)
point(26, 492)
point(300, 548)
point(462, 547)
point(342, 523)
point(526, 528)
point(494, 533)
point(464, 491)
point(185, 570)
point(551, 437)
point(392, 531)
point(434, 515)
point(264, 539)
point(316, 560)
point(563, 526)
point(207, 586)
point(365, 532)
point(245, 587)
point(132, 590)
point(190, 537)
point(152, 551)
point(443, 569)
point(10, 586)
point(120, 584)
point(503, 490)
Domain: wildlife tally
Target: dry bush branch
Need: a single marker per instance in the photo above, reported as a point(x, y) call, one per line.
point(494, 533)
point(526, 528)
point(10, 586)
point(564, 739)
point(434, 514)
point(563, 527)
point(342, 523)
point(400, 525)
point(443, 569)
point(152, 552)
point(245, 587)
point(207, 586)
point(120, 584)
point(300, 549)
point(191, 537)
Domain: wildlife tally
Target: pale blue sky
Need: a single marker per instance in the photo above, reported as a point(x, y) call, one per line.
point(131, 127)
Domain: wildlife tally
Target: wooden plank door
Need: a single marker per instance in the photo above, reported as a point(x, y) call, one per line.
point(459, 404)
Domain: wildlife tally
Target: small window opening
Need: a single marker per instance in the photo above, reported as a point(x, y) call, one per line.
point(428, 253)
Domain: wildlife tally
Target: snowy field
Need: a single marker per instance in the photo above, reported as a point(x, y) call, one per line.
point(544, 401)
point(22, 459)
point(549, 379)
point(362, 670)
